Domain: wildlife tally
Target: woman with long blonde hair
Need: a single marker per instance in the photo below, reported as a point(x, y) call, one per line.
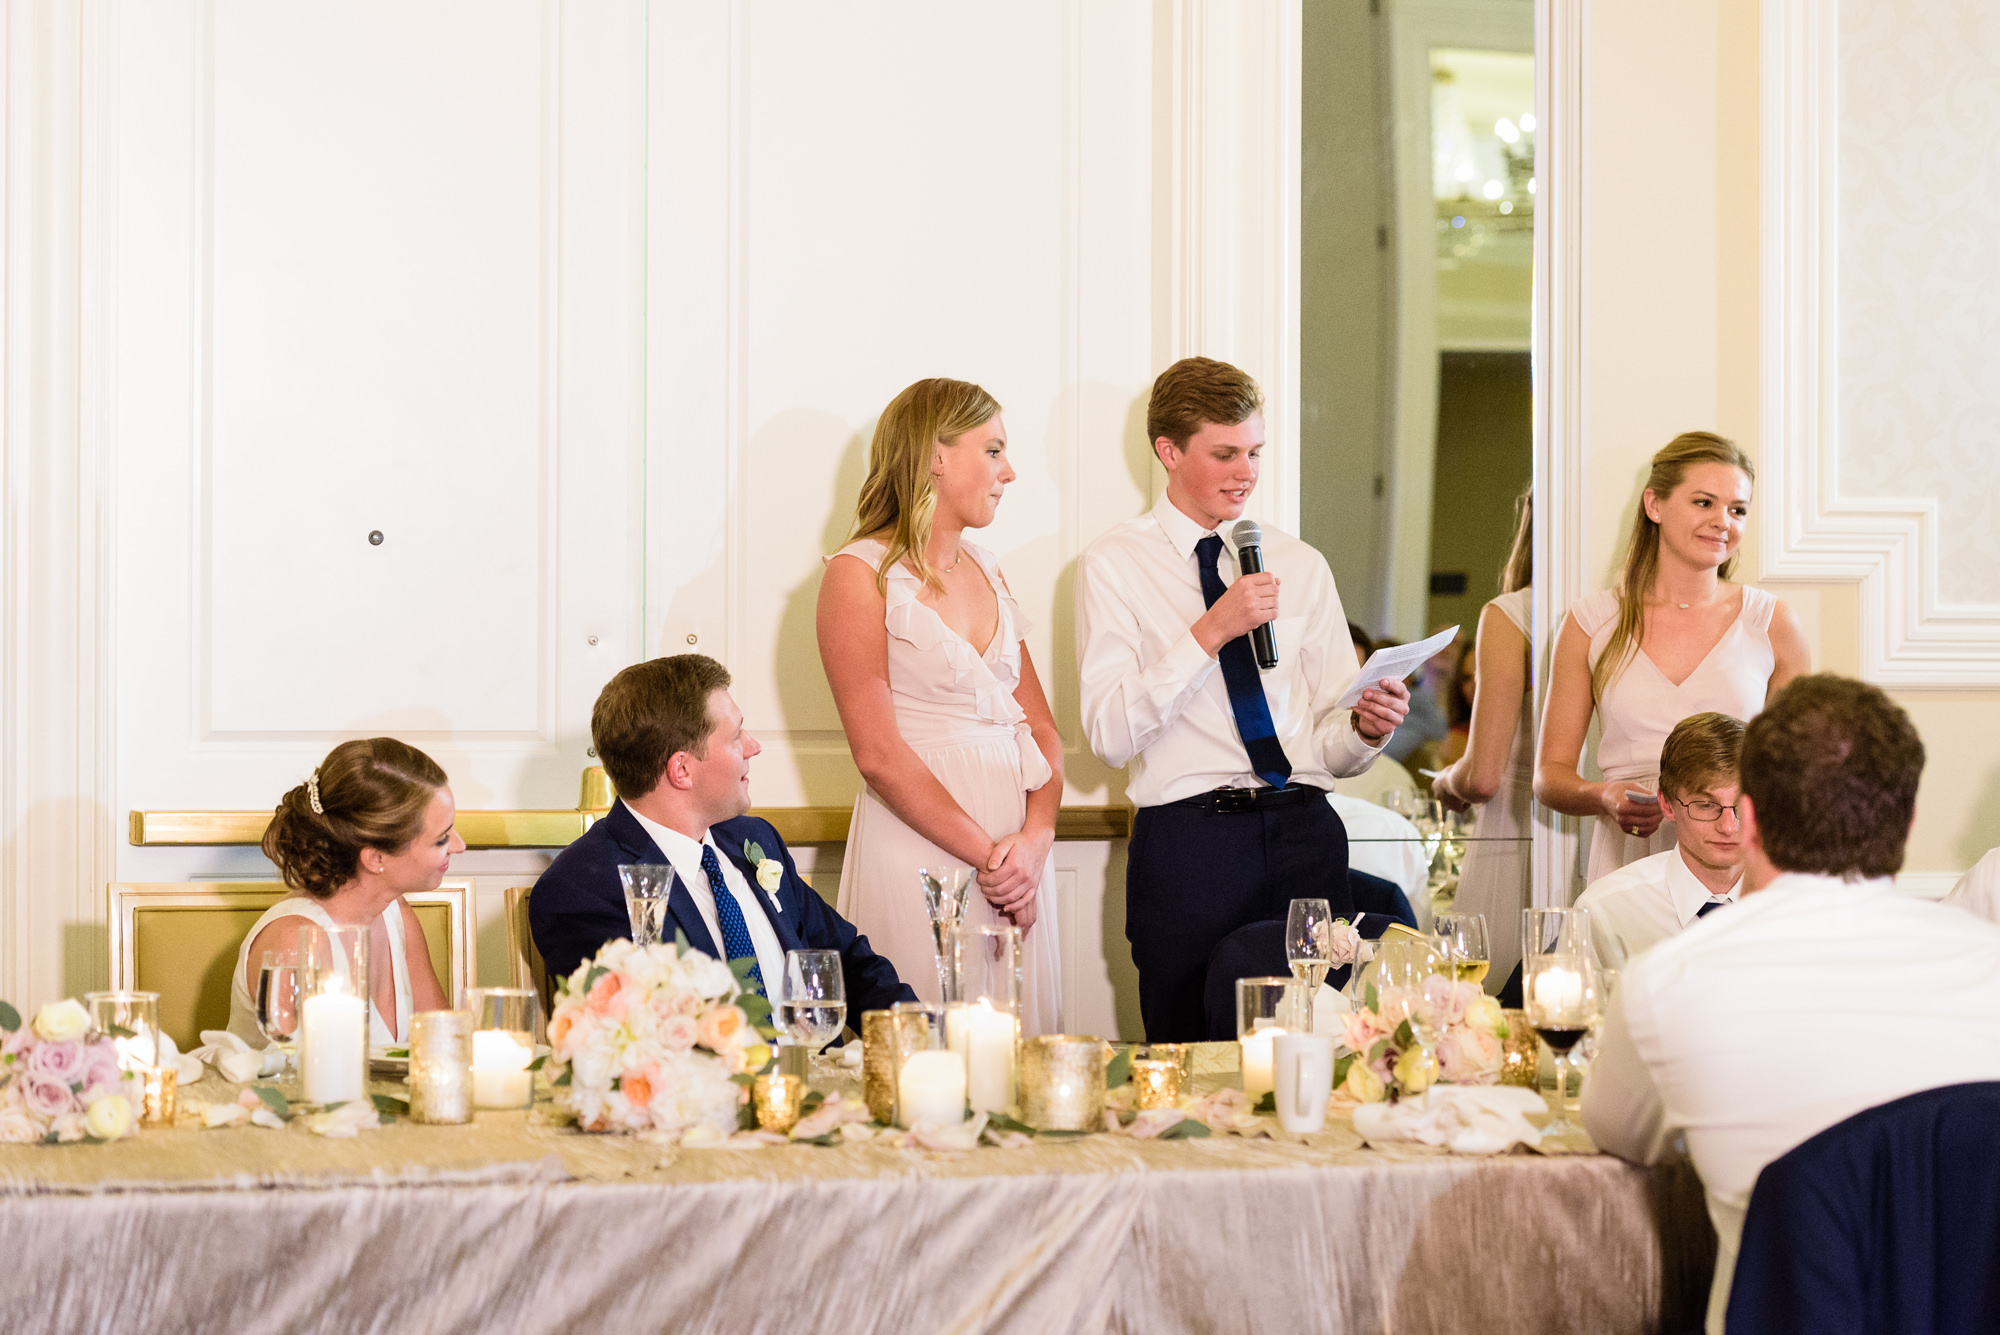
point(1676, 637)
point(945, 717)
point(1496, 773)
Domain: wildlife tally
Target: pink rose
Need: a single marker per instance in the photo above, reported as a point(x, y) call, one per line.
point(1361, 1030)
point(1344, 942)
point(1440, 999)
point(43, 1096)
point(63, 1062)
point(17, 1041)
point(609, 996)
point(17, 1125)
point(1469, 1057)
point(102, 1068)
point(679, 1032)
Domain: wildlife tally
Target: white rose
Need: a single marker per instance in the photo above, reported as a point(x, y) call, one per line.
point(110, 1117)
point(770, 874)
point(70, 1127)
point(60, 1021)
point(1484, 1015)
point(1415, 1071)
point(1363, 1085)
point(17, 1125)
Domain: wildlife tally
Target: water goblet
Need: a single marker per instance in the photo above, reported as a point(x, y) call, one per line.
point(812, 998)
point(278, 1005)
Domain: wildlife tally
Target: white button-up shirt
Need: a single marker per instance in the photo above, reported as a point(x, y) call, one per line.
point(1645, 902)
point(1152, 699)
point(1754, 1030)
point(1978, 891)
point(685, 856)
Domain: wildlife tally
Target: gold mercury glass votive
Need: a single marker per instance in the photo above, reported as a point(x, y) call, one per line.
point(878, 1066)
point(161, 1098)
point(1062, 1083)
point(1520, 1053)
point(441, 1067)
point(1180, 1054)
point(778, 1099)
point(1159, 1082)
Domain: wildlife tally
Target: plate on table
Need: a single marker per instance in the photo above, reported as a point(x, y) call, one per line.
point(391, 1062)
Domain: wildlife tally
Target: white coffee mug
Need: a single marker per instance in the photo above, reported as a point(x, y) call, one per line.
point(1302, 1066)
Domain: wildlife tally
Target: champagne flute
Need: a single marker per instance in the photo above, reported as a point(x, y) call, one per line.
point(1559, 990)
point(1462, 936)
point(946, 893)
point(812, 998)
point(1309, 948)
point(278, 1002)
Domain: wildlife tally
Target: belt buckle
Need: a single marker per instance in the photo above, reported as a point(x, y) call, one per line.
point(1227, 801)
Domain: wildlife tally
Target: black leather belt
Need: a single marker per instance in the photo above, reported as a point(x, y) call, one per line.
point(1229, 801)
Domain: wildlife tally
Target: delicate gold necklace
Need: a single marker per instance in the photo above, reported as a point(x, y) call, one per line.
point(961, 556)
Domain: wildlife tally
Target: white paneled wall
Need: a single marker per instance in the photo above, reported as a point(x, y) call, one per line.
point(587, 309)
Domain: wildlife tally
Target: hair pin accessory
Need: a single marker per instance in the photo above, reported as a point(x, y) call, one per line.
point(312, 793)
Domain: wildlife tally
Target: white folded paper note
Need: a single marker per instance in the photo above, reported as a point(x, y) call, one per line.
point(1393, 665)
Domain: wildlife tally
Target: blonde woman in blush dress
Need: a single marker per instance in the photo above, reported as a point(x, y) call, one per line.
point(1676, 637)
point(1497, 771)
point(947, 721)
point(374, 822)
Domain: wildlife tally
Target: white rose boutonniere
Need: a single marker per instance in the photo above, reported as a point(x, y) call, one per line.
point(770, 871)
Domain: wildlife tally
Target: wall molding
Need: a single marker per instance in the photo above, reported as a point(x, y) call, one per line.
point(1810, 528)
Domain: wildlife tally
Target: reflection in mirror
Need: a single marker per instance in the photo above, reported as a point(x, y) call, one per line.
point(1418, 211)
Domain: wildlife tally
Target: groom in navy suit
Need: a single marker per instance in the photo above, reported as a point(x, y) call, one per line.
point(672, 741)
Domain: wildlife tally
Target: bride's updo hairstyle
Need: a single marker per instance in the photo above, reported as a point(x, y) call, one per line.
point(900, 494)
point(365, 794)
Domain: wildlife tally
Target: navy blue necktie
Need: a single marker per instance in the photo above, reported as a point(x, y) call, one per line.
point(1246, 688)
point(1710, 907)
point(735, 932)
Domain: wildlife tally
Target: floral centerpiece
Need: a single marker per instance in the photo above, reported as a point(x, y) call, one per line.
point(1383, 1059)
point(59, 1081)
point(656, 1038)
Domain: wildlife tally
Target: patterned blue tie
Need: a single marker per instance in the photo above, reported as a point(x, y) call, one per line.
point(1246, 688)
point(735, 932)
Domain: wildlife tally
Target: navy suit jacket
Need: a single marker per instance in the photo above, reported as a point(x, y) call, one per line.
point(579, 904)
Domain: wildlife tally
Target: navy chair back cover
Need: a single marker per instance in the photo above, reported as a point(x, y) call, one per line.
point(1888, 1221)
point(1258, 950)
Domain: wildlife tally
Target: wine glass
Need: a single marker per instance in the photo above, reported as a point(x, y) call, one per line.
point(1462, 937)
point(812, 999)
point(278, 1002)
point(1309, 947)
point(1559, 990)
point(1547, 930)
point(1404, 972)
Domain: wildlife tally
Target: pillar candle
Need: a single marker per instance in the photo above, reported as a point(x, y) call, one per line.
point(500, 1074)
point(932, 1089)
point(335, 1046)
point(985, 1038)
point(1256, 1060)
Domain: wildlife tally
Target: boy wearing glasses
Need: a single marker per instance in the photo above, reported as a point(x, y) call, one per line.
point(1650, 900)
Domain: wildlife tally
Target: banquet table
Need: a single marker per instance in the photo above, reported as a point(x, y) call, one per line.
point(516, 1223)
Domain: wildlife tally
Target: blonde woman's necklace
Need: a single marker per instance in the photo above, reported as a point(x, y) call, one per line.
point(961, 556)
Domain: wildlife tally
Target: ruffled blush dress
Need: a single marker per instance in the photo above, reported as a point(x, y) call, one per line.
point(955, 706)
point(1641, 707)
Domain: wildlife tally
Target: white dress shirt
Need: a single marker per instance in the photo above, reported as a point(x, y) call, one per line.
point(1754, 1030)
point(1151, 697)
point(1978, 891)
point(1645, 902)
point(685, 855)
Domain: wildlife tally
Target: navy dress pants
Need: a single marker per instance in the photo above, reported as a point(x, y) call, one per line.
point(1193, 876)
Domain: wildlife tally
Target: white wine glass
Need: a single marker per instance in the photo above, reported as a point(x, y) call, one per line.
point(1561, 994)
point(1309, 947)
point(812, 1000)
point(1462, 937)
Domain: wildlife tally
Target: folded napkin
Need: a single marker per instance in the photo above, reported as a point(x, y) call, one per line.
point(1465, 1119)
point(235, 1059)
point(187, 1069)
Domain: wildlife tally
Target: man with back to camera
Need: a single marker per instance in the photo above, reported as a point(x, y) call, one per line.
point(1230, 763)
point(1824, 992)
point(673, 744)
point(1645, 902)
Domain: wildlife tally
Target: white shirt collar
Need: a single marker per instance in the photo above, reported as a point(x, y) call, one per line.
point(1183, 533)
point(1687, 891)
point(684, 853)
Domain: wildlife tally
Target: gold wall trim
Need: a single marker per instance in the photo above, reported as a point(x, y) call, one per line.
point(554, 829)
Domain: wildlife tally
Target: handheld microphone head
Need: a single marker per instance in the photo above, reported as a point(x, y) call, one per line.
point(1246, 534)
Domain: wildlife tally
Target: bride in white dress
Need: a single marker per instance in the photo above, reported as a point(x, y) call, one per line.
point(373, 823)
point(944, 714)
point(1675, 638)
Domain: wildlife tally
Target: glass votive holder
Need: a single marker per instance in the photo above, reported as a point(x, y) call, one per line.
point(333, 1013)
point(1180, 1054)
point(503, 1045)
point(1520, 1053)
point(930, 1077)
point(1062, 1083)
point(160, 1098)
point(132, 1022)
point(1159, 1083)
point(984, 1026)
point(1265, 1008)
point(441, 1067)
point(878, 1066)
point(778, 1100)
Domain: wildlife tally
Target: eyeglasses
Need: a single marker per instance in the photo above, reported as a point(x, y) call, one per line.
point(1705, 810)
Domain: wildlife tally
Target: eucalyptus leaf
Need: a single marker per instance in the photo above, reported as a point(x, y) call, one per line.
point(681, 945)
point(741, 967)
point(830, 1138)
point(561, 1081)
point(537, 1063)
point(1405, 1037)
point(756, 1009)
point(811, 1103)
point(1341, 1066)
point(1371, 999)
point(1002, 1122)
point(597, 971)
point(1119, 1070)
point(752, 852)
point(1186, 1129)
point(10, 1019)
point(744, 1078)
point(389, 1106)
point(273, 1100)
point(1055, 1135)
point(119, 1031)
point(1269, 1103)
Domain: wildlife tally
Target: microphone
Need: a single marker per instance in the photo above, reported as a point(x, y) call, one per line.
point(1249, 540)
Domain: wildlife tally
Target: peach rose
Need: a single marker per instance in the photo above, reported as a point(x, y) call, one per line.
point(559, 1028)
point(721, 1028)
point(608, 996)
point(637, 1086)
